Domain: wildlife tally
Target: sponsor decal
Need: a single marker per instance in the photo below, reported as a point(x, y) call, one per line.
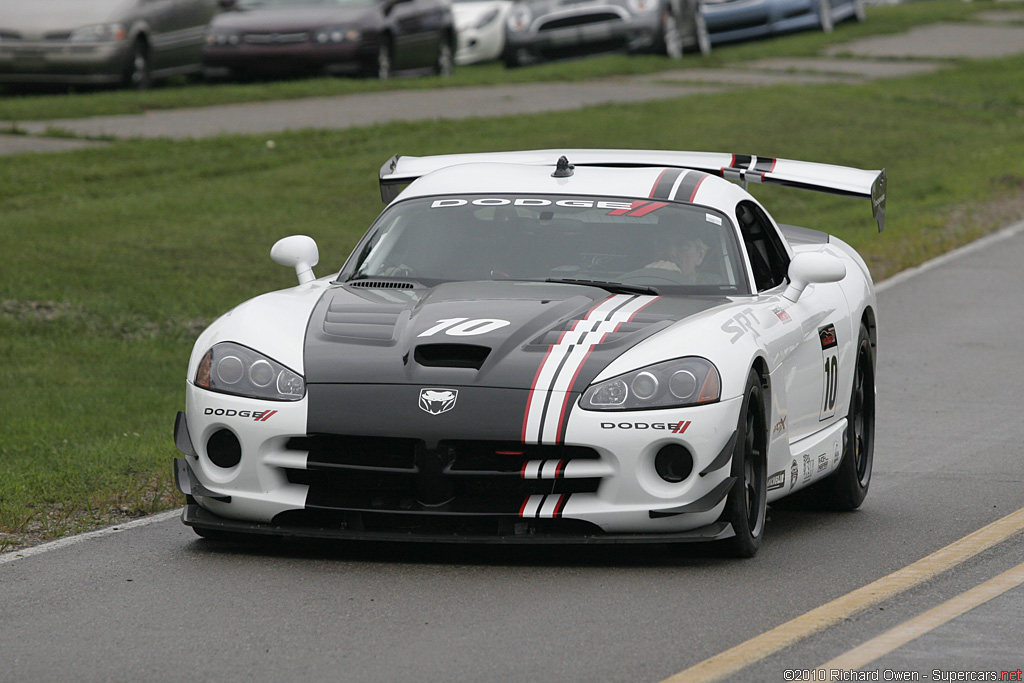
point(823, 461)
point(827, 335)
point(808, 467)
point(740, 324)
point(674, 427)
point(536, 201)
point(777, 480)
point(830, 354)
point(780, 426)
point(437, 401)
point(781, 314)
point(639, 209)
point(794, 473)
point(255, 415)
point(837, 454)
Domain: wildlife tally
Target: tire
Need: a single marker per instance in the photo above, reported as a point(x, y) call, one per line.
point(445, 64)
point(846, 488)
point(137, 74)
point(746, 505)
point(384, 65)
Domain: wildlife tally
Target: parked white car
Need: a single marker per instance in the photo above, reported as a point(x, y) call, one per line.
point(480, 29)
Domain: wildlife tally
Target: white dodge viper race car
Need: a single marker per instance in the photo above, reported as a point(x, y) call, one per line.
point(562, 346)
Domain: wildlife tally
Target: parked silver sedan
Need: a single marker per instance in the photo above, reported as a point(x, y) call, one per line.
point(537, 30)
point(127, 42)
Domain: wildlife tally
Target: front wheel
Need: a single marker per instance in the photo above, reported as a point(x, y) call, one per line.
point(746, 506)
point(137, 72)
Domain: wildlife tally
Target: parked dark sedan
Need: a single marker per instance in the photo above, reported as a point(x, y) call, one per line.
point(370, 37)
point(128, 42)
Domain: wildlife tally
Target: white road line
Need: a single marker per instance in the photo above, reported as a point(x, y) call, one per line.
point(12, 555)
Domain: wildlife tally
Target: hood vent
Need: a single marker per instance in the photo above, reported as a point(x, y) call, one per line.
point(373, 284)
point(356, 322)
point(451, 355)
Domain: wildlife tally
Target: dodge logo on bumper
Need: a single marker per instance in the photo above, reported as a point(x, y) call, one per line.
point(437, 401)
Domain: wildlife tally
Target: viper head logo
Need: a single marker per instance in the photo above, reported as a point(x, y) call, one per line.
point(437, 401)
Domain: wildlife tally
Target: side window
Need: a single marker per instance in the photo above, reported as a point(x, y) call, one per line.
point(768, 257)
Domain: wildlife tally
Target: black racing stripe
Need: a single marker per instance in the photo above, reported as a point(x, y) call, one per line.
point(665, 182)
point(689, 186)
point(741, 160)
point(764, 164)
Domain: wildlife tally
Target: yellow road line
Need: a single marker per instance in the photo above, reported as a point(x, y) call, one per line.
point(768, 643)
point(926, 622)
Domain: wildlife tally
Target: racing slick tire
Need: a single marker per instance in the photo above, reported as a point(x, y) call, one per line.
point(745, 507)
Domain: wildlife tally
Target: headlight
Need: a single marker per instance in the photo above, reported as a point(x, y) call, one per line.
point(336, 34)
point(98, 33)
point(642, 6)
point(519, 19)
point(231, 368)
point(222, 38)
point(672, 384)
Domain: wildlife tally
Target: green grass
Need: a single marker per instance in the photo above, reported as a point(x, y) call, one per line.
point(16, 106)
point(114, 258)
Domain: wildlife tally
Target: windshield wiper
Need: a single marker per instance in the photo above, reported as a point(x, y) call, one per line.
point(613, 287)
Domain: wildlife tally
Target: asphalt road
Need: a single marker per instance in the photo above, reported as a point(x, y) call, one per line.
point(157, 603)
point(153, 602)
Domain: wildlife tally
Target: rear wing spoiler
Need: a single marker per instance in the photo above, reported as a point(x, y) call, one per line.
point(805, 175)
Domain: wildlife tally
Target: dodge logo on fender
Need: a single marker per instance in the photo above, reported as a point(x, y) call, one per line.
point(674, 427)
point(257, 415)
point(437, 401)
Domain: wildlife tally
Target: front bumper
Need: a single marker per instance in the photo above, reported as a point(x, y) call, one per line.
point(600, 486)
point(595, 29)
point(38, 62)
point(349, 57)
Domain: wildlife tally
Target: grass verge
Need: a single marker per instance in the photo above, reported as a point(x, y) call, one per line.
point(114, 258)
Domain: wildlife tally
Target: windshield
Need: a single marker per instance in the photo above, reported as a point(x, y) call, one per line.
point(663, 245)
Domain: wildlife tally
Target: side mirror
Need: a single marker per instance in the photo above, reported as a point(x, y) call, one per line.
point(812, 268)
point(299, 252)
